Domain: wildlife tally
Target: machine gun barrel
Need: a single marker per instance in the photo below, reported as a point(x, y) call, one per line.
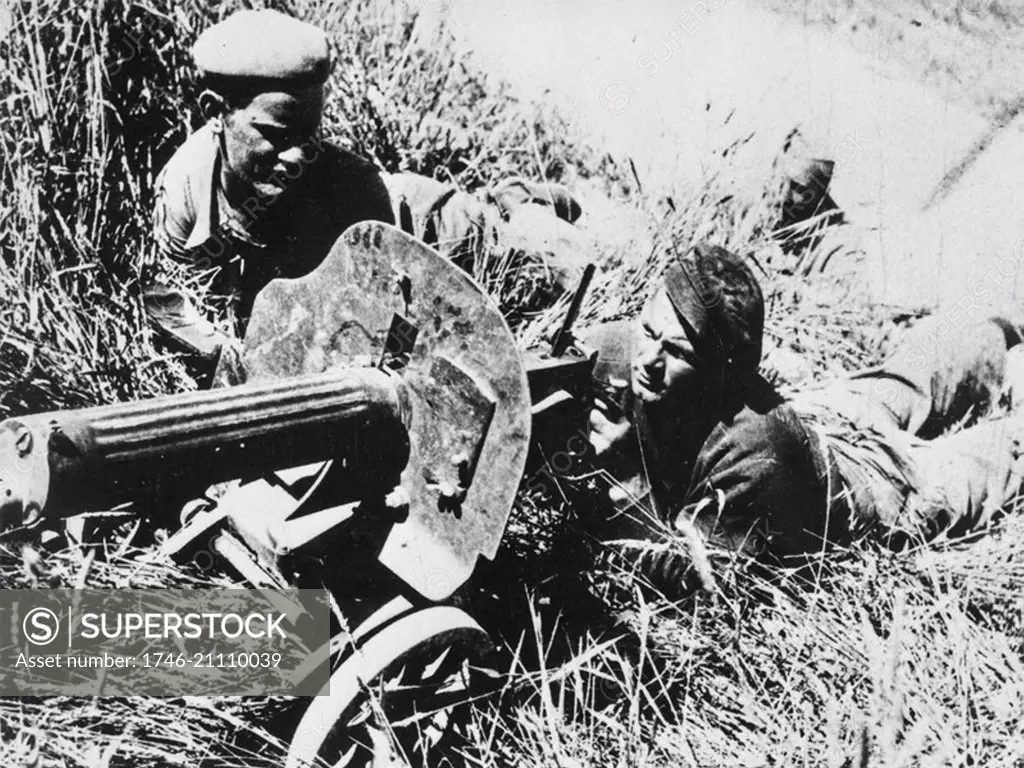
point(66, 462)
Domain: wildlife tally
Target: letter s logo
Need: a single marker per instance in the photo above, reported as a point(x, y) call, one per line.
point(41, 626)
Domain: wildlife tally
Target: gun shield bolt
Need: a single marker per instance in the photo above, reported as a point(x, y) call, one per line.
point(448, 491)
point(450, 498)
point(397, 499)
point(23, 441)
point(461, 462)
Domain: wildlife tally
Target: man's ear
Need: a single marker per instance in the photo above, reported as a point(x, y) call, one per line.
point(213, 107)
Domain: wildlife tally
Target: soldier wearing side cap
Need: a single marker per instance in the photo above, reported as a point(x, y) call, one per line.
point(719, 452)
point(255, 193)
point(712, 454)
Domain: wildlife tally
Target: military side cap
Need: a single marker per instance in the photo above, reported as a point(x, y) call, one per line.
point(264, 46)
point(719, 302)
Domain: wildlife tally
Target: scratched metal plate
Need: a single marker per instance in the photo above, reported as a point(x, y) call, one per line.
point(340, 314)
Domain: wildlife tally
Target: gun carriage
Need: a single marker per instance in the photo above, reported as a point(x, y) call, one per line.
point(373, 444)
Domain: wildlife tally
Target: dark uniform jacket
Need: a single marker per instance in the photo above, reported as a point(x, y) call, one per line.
point(747, 475)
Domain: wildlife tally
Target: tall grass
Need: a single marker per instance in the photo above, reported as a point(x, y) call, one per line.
point(888, 661)
point(82, 138)
point(884, 661)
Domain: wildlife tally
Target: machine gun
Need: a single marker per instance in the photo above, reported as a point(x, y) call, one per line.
point(565, 381)
point(374, 446)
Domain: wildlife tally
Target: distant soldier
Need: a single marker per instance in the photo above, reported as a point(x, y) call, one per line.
point(811, 228)
point(720, 458)
point(514, 215)
point(256, 193)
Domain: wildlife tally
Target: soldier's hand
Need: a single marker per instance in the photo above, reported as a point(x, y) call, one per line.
point(609, 429)
point(228, 369)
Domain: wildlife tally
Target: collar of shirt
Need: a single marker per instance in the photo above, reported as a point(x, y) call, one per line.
point(214, 214)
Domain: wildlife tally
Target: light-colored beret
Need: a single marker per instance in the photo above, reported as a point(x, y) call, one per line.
point(264, 46)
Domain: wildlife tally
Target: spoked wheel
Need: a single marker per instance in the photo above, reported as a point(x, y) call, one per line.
point(402, 696)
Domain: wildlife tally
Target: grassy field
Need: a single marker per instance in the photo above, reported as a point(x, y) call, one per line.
point(886, 660)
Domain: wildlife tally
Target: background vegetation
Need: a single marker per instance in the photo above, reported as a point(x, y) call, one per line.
point(888, 660)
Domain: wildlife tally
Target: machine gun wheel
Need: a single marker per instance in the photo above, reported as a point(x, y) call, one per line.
point(399, 694)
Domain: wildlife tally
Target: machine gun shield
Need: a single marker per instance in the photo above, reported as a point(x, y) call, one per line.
point(469, 397)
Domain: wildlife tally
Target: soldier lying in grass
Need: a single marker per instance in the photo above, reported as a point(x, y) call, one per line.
point(711, 452)
point(513, 225)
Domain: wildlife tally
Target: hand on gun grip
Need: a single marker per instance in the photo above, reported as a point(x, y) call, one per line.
point(229, 370)
point(609, 428)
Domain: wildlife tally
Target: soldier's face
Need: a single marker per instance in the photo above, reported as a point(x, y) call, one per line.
point(664, 367)
point(268, 142)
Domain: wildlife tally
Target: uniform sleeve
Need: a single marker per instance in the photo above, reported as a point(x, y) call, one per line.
point(168, 309)
point(414, 199)
point(466, 229)
point(174, 216)
point(515, 192)
point(755, 490)
point(457, 224)
point(177, 321)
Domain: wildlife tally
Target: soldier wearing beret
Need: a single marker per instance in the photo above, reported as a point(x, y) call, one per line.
point(710, 452)
point(255, 193)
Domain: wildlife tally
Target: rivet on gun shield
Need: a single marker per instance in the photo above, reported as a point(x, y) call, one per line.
point(23, 441)
point(398, 499)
